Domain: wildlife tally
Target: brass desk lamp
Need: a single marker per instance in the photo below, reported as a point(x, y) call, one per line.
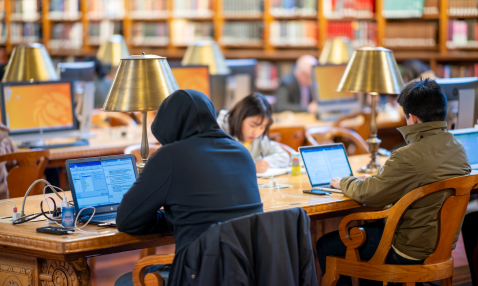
point(141, 83)
point(112, 51)
point(206, 53)
point(336, 51)
point(372, 70)
point(30, 62)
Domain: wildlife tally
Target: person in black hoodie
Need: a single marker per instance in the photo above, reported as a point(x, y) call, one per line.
point(200, 175)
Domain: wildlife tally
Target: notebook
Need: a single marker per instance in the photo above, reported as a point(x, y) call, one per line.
point(101, 183)
point(323, 163)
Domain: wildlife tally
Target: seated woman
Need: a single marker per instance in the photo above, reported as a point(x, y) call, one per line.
point(248, 122)
point(200, 176)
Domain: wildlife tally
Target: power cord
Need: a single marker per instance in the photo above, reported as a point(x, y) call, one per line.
point(15, 214)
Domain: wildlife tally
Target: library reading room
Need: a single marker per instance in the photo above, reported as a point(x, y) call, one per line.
point(238, 142)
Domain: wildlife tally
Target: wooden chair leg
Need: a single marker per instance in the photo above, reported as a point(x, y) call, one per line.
point(91, 263)
point(330, 278)
point(148, 251)
point(447, 282)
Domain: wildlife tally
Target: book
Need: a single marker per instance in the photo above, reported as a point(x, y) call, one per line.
point(149, 9)
point(193, 9)
point(293, 8)
point(105, 9)
point(150, 34)
point(185, 32)
point(361, 33)
point(242, 33)
point(244, 8)
point(67, 36)
point(338, 9)
point(294, 33)
point(459, 8)
point(26, 10)
point(410, 34)
point(26, 32)
point(452, 71)
point(268, 74)
point(101, 31)
point(393, 9)
point(462, 34)
point(65, 10)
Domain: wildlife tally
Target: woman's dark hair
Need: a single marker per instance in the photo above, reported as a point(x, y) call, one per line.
point(251, 105)
point(425, 99)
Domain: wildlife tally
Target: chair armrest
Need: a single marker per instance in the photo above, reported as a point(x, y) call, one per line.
point(140, 267)
point(355, 238)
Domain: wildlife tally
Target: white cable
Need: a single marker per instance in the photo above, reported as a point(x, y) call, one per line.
point(9, 202)
point(78, 216)
point(22, 213)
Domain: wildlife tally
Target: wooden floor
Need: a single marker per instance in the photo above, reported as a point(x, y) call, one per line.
point(108, 268)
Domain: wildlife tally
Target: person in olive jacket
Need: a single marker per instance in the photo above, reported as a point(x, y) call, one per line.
point(432, 154)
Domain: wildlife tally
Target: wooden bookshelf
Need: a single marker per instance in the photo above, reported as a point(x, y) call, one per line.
point(267, 51)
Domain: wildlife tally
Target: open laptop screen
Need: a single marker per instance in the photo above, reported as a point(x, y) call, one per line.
point(102, 182)
point(470, 142)
point(325, 162)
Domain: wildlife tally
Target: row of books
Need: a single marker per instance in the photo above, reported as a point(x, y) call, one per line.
point(106, 9)
point(243, 8)
point(268, 74)
point(64, 10)
point(3, 33)
point(3, 55)
point(410, 34)
point(150, 34)
point(26, 32)
point(288, 8)
point(185, 32)
point(148, 9)
point(193, 8)
point(338, 9)
point(393, 9)
point(242, 33)
point(451, 71)
point(462, 34)
point(361, 33)
point(2, 9)
point(26, 10)
point(462, 8)
point(100, 32)
point(66, 36)
point(293, 33)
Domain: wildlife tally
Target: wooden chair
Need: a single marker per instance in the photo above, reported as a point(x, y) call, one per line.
point(111, 119)
point(363, 129)
point(136, 151)
point(325, 135)
point(293, 136)
point(30, 167)
point(437, 266)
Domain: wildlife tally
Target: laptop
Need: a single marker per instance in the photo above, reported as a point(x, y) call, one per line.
point(468, 137)
point(101, 183)
point(323, 163)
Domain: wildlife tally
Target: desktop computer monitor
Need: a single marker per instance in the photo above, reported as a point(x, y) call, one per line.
point(462, 96)
point(38, 110)
point(240, 82)
point(193, 77)
point(325, 80)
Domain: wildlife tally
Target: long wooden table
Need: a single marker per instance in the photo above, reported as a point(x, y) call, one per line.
point(31, 258)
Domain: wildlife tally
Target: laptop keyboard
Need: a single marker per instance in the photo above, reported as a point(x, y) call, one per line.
point(327, 189)
point(105, 217)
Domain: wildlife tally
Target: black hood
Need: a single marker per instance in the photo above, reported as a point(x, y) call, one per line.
point(184, 114)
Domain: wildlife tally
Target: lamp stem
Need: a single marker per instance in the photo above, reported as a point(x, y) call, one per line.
point(144, 142)
point(373, 142)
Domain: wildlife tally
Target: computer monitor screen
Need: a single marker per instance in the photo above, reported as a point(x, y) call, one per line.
point(37, 107)
point(102, 183)
point(469, 140)
point(193, 77)
point(326, 79)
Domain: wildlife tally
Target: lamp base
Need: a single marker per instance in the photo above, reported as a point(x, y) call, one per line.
point(369, 169)
point(141, 165)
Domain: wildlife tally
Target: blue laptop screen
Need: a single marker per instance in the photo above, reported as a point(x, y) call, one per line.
point(102, 183)
point(470, 142)
point(325, 163)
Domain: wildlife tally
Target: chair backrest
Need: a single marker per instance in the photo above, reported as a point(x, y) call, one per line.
point(292, 136)
point(326, 135)
point(451, 215)
point(362, 128)
point(112, 119)
point(30, 167)
point(136, 151)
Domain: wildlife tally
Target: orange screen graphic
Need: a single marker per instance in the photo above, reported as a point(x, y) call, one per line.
point(42, 106)
point(196, 78)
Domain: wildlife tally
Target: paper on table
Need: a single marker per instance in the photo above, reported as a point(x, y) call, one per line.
point(273, 172)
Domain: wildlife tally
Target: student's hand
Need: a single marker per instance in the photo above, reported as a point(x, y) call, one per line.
point(262, 166)
point(335, 183)
point(363, 177)
point(312, 107)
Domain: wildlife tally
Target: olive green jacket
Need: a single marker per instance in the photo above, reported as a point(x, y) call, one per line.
point(432, 154)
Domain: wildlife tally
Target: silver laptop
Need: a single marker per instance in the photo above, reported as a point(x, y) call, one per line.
point(468, 137)
point(325, 162)
point(101, 183)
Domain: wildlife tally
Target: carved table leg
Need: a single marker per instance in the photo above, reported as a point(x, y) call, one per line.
point(17, 270)
point(61, 273)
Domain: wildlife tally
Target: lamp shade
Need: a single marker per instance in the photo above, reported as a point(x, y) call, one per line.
point(372, 70)
point(30, 62)
point(206, 53)
point(141, 83)
point(336, 51)
point(113, 50)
